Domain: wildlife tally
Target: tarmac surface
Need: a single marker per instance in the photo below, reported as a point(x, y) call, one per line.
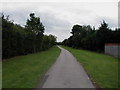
point(66, 72)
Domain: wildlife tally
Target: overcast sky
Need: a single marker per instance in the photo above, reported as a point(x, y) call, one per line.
point(59, 17)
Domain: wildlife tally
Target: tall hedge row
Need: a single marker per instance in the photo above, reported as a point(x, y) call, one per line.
point(18, 40)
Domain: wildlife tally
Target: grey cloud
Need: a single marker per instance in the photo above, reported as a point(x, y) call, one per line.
point(58, 18)
point(52, 21)
point(55, 25)
point(19, 16)
point(112, 23)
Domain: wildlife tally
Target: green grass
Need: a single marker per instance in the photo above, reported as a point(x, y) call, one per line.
point(103, 69)
point(26, 71)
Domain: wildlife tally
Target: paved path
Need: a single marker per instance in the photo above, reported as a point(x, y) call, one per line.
point(66, 73)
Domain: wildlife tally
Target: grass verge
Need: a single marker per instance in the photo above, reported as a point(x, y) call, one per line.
point(102, 69)
point(26, 71)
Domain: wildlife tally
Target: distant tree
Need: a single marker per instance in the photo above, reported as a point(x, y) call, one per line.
point(34, 24)
point(89, 38)
point(18, 40)
point(103, 35)
point(76, 29)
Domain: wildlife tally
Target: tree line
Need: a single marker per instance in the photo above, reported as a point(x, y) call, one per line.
point(19, 40)
point(86, 37)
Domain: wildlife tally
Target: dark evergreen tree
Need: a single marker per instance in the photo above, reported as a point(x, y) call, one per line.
point(33, 24)
point(17, 40)
point(89, 38)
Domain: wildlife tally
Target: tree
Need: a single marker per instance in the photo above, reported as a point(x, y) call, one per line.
point(103, 35)
point(89, 38)
point(18, 40)
point(33, 24)
point(76, 29)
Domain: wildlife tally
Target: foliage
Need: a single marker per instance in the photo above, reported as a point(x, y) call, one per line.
point(86, 37)
point(34, 24)
point(18, 40)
